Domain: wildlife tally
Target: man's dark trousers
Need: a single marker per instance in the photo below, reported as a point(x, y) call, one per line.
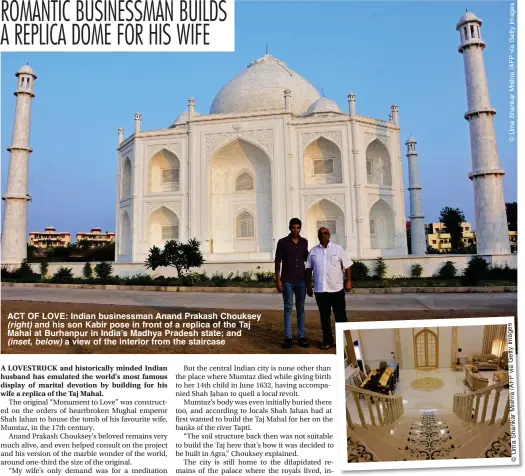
point(326, 302)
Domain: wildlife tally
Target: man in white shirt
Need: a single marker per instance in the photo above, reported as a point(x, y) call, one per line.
point(330, 265)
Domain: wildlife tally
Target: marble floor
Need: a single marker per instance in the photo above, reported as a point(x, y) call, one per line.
point(441, 399)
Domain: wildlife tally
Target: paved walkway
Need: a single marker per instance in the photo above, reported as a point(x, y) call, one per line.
point(371, 302)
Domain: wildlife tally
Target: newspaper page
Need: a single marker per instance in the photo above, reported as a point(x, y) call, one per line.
point(273, 238)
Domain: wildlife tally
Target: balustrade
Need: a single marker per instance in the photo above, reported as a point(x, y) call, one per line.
point(467, 406)
point(377, 411)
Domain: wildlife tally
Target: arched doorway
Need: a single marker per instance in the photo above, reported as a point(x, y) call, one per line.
point(382, 229)
point(240, 197)
point(426, 349)
point(163, 226)
point(326, 214)
point(322, 163)
point(126, 180)
point(164, 172)
point(124, 245)
point(378, 169)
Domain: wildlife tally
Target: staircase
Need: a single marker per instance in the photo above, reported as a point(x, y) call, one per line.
point(383, 431)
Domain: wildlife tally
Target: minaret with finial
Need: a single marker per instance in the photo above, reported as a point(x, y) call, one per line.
point(492, 233)
point(417, 219)
point(14, 230)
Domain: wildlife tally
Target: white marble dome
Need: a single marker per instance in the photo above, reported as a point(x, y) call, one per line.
point(323, 105)
point(182, 119)
point(260, 87)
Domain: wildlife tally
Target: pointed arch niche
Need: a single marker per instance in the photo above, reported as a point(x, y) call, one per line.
point(322, 163)
point(124, 247)
point(126, 179)
point(325, 213)
point(382, 227)
point(164, 172)
point(240, 189)
point(378, 168)
point(163, 226)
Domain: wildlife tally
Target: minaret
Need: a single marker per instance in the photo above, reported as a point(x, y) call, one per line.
point(492, 233)
point(417, 224)
point(14, 230)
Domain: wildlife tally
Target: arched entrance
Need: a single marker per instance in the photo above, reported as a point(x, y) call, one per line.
point(163, 226)
point(164, 172)
point(382, 229)
point(426, 349)
point(240, 199)
point(378, 169)
point(124, 246)
point(322, 163)
point(326, 214)
point(126, 180)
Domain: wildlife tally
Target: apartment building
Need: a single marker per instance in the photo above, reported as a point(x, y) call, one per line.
point(95, 237)
point(50, 238)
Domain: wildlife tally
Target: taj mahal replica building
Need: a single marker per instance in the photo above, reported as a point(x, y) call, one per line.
point(270, 149)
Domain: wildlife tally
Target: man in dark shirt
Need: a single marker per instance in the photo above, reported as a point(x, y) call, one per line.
point(292, 251)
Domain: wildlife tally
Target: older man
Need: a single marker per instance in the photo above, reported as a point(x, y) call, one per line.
point(330, 265)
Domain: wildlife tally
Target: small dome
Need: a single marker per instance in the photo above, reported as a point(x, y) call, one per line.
point(323, 105)
point(468, 17)
point(26, 69)
point(182, 119)
point(261, 87)
point(411, 140)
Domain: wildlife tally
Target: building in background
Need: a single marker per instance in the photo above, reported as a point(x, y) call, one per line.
point(95, 237)
point(50, 238)
point(513, 238)
point(439, 239)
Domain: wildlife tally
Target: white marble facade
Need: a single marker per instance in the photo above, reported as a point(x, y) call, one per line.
point(271, 148)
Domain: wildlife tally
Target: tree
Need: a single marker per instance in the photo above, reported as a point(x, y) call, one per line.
point(32, 252)
point(452, 218)
point(512, 215)
point(87, 271)
point(182, 256)
point(103, 270)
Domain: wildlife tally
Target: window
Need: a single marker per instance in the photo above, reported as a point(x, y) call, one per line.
point(323, 166)
point(245, 225)
point(170, 232)
point(244, 182)
point(170, 176)
point(433, 242)
point(372, 227)
point(330, 224)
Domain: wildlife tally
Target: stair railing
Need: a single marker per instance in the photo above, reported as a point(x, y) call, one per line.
point(377, 410)
point(471, 409)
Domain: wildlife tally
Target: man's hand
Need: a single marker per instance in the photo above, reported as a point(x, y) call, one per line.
point(279, 285)
point(309, 291)
point(348, 285)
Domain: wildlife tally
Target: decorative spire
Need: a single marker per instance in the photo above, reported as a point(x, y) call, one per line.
point(266, 48)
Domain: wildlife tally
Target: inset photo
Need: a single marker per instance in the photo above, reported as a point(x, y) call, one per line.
point(428, 393)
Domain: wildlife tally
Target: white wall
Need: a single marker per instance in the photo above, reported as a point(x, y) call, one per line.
point(407, 348)
point(445, 347)
point(470, 340)
point(395, 266)
point(377, 345)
